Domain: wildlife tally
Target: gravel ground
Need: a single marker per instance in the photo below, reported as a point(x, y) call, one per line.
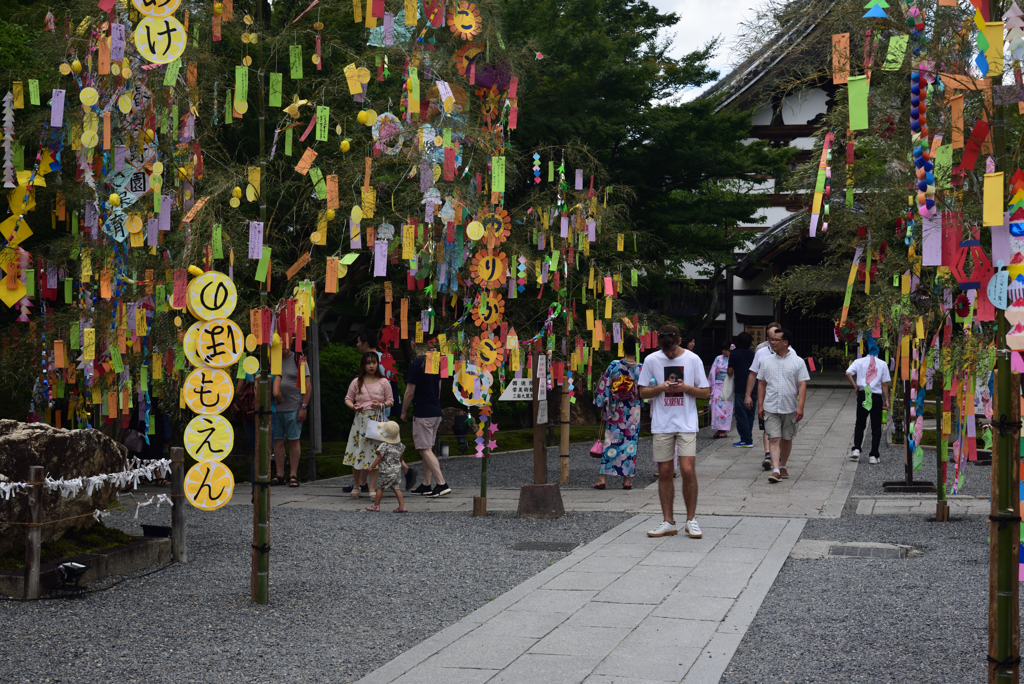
point(976, 479)
point(345, 598)
point(914, 620)
point(515, 468)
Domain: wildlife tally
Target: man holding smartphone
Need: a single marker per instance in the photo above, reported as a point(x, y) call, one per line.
point(674, 425)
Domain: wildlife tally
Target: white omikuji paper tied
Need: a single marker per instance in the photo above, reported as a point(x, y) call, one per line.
point(57, 108)
point(380, 258)
point(931, 250)
point(255, 239)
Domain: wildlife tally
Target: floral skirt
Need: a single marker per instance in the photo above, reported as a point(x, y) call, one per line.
point(359, 451)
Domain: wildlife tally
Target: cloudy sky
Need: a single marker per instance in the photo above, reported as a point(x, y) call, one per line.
point(702, 20)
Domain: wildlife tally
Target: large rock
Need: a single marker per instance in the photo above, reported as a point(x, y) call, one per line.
point(62, 454)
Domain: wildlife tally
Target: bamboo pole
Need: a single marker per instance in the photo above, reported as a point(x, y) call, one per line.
point(564, 450)
point(261, 526)
point(179, 547)
point(1004, 627)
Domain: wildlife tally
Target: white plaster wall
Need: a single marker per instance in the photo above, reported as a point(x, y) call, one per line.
point(802, 143)
point(800, 108)
point(763, 117)
point(756, 305)
point(773, 215)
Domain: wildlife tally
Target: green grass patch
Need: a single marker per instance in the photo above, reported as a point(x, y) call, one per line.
point(73, 543)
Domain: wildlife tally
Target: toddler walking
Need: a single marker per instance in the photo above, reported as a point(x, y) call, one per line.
point(389, 460)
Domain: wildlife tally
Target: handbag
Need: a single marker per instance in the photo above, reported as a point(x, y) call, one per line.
point(597, 451)
point(134, 440)
point(729, 388)
point(373, 426)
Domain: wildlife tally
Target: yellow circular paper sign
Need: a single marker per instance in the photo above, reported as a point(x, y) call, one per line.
point(90, 139)
point(134, 223)
point(156, 8)
point(124, 103)
point(88, 96)
point(489, 353)
point(208, 486)
point(220, 343)
point(160, 41)
point(251, 365)
point(475, 230)
point(250, 343)
point(208, 391)
point(209, 438)
point(212, 295)
point(189, 343)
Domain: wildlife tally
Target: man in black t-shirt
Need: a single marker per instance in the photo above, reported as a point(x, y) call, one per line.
point(424, 391)
point(739, 368)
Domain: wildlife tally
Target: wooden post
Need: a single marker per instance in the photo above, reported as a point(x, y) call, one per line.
point(540, 451)
point(179, 550)
point(33, 538)
point(564, 450)
point(1004, 539)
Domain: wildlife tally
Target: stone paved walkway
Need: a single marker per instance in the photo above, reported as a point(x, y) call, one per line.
point(731, 480)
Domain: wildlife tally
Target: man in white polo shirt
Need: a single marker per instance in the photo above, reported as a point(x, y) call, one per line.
point(870, 377)
point(673, 379)
point(781, 391)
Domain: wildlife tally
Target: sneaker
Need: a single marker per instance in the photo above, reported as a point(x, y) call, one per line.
point(776, 476)
point(422, 489)
point(439, 491)
point(747, 445)
point(348, 488)
point(854, 454)
point(365, 489)
point(739, 444)
point(784, 473)
point(665, 529)
point(873, 460)
point(766, 464)
point(693, 529)
point(410, 478)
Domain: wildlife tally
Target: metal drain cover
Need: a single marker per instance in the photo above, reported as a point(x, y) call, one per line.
point(867, 552)
point(544, 546)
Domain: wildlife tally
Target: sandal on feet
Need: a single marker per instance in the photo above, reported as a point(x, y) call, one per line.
point(293, 481)
point(275, 481)
point(401, 509)
point(373, 507)
point(355, 493)
point(600, 485)
point(627, 485)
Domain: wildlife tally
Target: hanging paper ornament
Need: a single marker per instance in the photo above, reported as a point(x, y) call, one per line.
point(464, 20)
point(876, 9)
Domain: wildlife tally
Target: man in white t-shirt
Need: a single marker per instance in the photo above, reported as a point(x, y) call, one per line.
point(870, 377)
point(781, 392)
point(673, 379)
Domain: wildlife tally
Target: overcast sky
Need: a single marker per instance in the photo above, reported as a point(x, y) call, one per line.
point(702, 20)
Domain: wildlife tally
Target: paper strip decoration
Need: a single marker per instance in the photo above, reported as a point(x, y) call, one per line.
point(840, 58)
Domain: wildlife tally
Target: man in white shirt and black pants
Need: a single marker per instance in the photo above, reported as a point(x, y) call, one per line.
point(870, 377)
point(781, 391)
point(764, 349)
point(673, 379)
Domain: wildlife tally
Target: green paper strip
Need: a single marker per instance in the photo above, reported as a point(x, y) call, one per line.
point(240, 373)
point(115, 359)
point(551, 172)
point(160, 299)
point(74, 336)
point(228, 117)
point(349, 258)
point(74, 223)
point(261, 267)
point(67, 290)
point(30, 282)
point(241, 83)
point(897, 51)
point(943, 166)
point(497, 173)
point(319, 182)
point(144, 379)
point(276, 89)
point(858, 87)
point(171, 75)
point(33, 92)
point(295, 59)
point(288, 143)
point(218, 247)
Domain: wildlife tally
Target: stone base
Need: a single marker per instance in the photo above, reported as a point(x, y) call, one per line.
point(540, 501)
point(119, 560)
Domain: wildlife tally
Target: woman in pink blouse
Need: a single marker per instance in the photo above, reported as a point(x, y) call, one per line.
point(367, 395)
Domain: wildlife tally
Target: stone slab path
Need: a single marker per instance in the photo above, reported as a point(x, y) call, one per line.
point(623, 608)
point(731, 480)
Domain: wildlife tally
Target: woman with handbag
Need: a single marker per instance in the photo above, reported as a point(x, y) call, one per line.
point(368, 395)
point(618, 393)
point(721, 393)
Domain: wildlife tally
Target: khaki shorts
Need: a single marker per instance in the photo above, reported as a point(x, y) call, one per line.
point(780, 425)
point(424, 431)
point(665, 445)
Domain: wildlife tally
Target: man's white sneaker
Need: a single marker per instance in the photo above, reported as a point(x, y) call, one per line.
point(873, 460)
point(665, 529)
point(693, 529)
point(854, 454)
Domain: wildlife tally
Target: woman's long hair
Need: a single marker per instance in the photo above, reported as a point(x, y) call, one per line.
point(367, 358)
